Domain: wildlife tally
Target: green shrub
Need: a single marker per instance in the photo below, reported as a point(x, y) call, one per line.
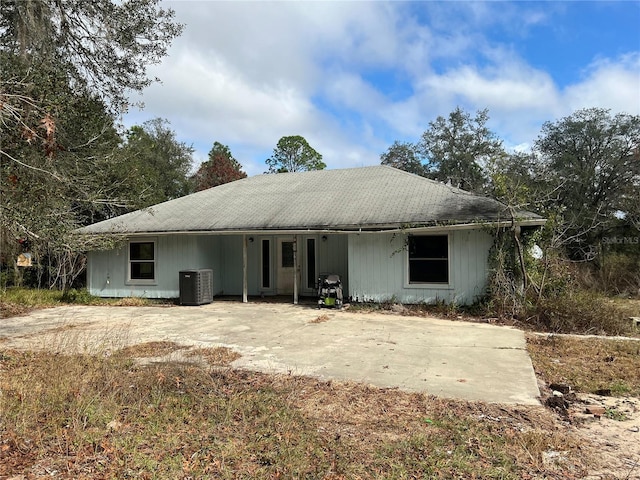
point(82, 297)
point(31, 297)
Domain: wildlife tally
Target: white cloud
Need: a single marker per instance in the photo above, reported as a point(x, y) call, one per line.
point(350, 91)
point(505, 87)
point(608, 83)
point(520, 148)
point(211, 96)
point(248, 73)
point(520, 98)
point(267, 43)
point(475, 18)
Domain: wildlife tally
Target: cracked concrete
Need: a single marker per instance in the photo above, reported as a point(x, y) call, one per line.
point(460, 360)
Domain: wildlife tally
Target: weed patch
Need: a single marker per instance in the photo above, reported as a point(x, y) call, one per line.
point(151, 349)
point(217, 357)
point(20, 301)
point(108, 417)
point(320, 319)
point(614, 414)
point(589, 365)
point(580, 312)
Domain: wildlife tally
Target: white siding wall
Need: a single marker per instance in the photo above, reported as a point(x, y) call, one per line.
point(223, 254)
point(378, 269)
point(173, 254)
point(373, 267)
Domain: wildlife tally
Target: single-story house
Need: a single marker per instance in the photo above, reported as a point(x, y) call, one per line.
point(389, 234)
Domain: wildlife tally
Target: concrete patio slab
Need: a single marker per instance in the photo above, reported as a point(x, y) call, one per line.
point(460, 360)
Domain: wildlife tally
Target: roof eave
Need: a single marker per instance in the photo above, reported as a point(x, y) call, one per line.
point(341, 229)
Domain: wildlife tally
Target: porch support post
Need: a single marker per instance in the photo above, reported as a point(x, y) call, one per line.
point(295, 270)
point(244, 269)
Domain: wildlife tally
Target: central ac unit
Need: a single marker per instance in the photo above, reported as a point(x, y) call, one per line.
point(196, 287)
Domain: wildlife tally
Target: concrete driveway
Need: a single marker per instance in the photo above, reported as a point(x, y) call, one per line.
point(450, 359)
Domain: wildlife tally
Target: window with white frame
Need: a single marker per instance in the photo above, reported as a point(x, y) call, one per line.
point(142, 261)
point(428, 259)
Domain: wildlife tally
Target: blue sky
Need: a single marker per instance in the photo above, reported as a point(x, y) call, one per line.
point(353, 76)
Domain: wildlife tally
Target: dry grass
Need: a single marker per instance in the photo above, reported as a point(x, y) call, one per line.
point(128, 302)
point(20, 301)
point(629, 306)
point(151, 349)
point(107, 417)
point(320, 319)
point(216, 357)
point(404, 435)
point(13, 309)
point(588, 364)
point(581, 312)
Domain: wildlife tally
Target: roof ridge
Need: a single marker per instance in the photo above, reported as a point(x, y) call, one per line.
point(453, 189)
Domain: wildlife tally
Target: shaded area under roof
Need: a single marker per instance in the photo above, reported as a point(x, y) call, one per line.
point(366, 198)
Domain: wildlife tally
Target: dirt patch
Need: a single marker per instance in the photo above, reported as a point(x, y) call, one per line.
point(611, 425)
point(163, 350)
point(593, 385)
point(615, 433)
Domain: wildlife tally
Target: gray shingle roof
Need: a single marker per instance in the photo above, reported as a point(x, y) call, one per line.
point(378, 197)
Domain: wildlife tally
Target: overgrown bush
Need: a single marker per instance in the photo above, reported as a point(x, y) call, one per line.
point(568, 298)
point(619, 274)
point(612, 273)
point(581, 311)
point(560, 296)
point(506, 297)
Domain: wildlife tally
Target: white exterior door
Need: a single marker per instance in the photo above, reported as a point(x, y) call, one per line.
point(285, 271)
